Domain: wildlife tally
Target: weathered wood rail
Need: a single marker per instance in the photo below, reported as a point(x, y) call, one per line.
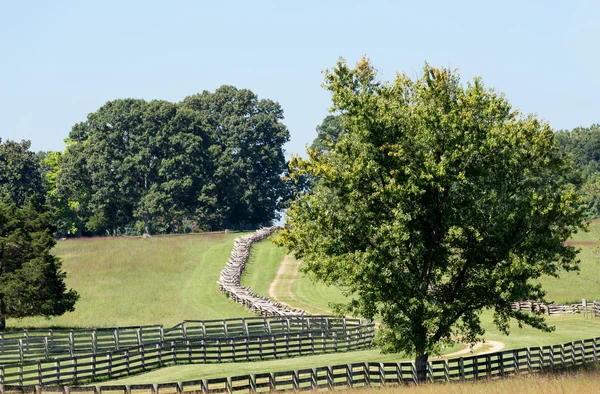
point(199, 342)
point(31, 345)
point(365, 374)
point(229, 280)
point(559, 309)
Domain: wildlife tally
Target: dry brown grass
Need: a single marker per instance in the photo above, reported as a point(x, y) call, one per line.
point(582, 381)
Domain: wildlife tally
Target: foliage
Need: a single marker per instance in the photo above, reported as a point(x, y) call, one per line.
point(583, 144)
point(213, 161)
point(248, 156)
point(328, 134)
point(31, 280)
point(437, 202)
point(20, 175)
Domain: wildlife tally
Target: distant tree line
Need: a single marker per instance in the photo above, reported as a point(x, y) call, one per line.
point(212, 161)
point(583, 144)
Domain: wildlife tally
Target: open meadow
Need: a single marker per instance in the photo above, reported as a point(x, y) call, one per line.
point(137, 281)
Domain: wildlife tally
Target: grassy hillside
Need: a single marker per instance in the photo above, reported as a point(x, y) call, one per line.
point(136, 281)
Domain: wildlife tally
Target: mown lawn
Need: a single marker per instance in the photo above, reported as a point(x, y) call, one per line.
point(136, 281)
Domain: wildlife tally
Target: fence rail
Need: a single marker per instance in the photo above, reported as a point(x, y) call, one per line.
point(229, 280)
point(284, 340)
point(524, 360)
point(29, 345)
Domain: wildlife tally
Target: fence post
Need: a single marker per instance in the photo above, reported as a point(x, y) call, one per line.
point(173, 352)
point(161, 333)
point(1, 374)
point(594, 354)
point(57, 370)
point(381, 375)
point(74, 368)
point(21, 350)
point(109, 359)
point(94, 341)
point(183, 330)
point(330, 378)
point(313, 379)
point(127, 366)
point(142, 356)
point(138, 335)
point(286, 338)
point(39, 372)
point(272, 382)
point(529, 360)
point(312, 342)
point(159, 353)
point(349, 377)
point(295, 380)
point(46, 348)
point(93, 362)
point(461, 369)
point(116, 337)
point(71, 343)
point(252, 383)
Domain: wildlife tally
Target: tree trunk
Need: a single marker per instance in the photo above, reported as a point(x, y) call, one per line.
point(147, 225)
point(2, 315)
point(421, 366)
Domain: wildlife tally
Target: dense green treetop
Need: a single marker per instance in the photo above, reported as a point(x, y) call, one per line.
point(248, 154)
point(439, 200)
point(328, 134)
point(20, 175)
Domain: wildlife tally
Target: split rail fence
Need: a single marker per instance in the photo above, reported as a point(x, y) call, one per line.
point(229, 280)
point(518, 361)
point(197, 342)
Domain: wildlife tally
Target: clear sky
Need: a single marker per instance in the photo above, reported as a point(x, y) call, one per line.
point(61, 60)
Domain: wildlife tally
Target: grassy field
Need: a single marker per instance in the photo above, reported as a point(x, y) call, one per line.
point(136, 281)
point(262, 266)
point(299, 291)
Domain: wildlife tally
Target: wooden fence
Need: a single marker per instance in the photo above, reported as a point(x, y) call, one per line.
point(27, 345)
point(229, 280)
point(326, 335)
point(525, 360)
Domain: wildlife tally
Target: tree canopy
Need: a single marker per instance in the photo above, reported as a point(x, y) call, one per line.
point(583, 144)
point(215, 159)
point(20, 172)
point(438, 200)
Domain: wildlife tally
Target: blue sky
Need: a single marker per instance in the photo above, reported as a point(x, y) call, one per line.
point(61, 60)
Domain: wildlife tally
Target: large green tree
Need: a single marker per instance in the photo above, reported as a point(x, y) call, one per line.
point(135, 160)
point(439, 200)
point(583, 144)
point(247, 154)
point(31, 280)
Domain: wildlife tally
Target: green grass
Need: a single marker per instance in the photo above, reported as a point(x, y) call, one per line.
point(205, 371)
point(136, 281)
point(591, 236)
point(262, 266)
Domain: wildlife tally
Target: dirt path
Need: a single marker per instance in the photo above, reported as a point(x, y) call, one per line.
point(496, 346)
point(289, 265)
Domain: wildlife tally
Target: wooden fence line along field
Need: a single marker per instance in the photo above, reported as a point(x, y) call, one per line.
point(229, 280)
point(559, 309)
point(125, 361)
point(27, 345)
point(366, 374)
